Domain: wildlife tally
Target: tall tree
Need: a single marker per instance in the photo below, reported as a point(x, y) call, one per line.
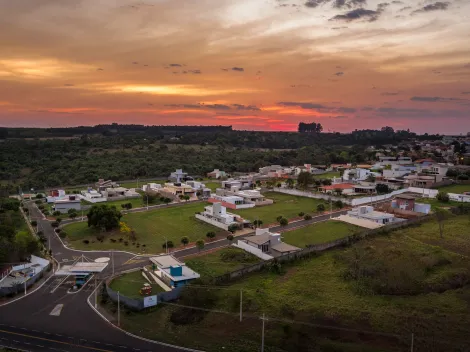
point(104, 217)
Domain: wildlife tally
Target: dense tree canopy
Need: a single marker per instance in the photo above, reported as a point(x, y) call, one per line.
point(104, 217)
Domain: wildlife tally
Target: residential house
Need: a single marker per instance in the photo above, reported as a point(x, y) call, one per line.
point(251, 196)
point(92, 196)
point(217, 215)
point(408, 202)
point(239, 199)
point(173, 272)
point(231, 202)
point(237, 184)
point(345, 188)
point(308, 168)
point(179, 176)
point(200, 188)
point(216, 174)
point(398, 171)
point(180, 189)
point(270, 169)
point(357, 174)
point(266, 245)
point(55, 195)
point(70, 202)
point(119, 193)
point(101, 185)
point(155, 187)
point(367, 212)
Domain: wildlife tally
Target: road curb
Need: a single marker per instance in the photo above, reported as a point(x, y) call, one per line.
point(131, 334)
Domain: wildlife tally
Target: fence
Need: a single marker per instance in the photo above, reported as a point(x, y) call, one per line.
point(138, 303)
point(20, 287)
point(296, 192)
point(313, 249)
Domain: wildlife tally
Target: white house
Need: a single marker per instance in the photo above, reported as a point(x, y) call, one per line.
point(358, 174)
point(173, 272)
point(56, 195)
point(178, 176)
point(398, 171)
point(367, 212)
point(152, 187)
point(64, 205)
point(216, 174)
point(217, 215)
point(200, 187)
point(237, 184)
point(231, 202)
point(266, 245)
point(92, 196)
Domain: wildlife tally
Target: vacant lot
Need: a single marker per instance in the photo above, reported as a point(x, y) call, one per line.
point(221, 262)
point(286, 205)
point(344, 300)
point(138, 184)
point(136, 202)
point(435, 203)
point(151, 228)
point(459, 189)
point(129, 284)
point(320, 232)
point(328, 175)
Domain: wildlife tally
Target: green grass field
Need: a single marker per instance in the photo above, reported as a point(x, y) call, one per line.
point(407, 281)
point(321, 232)
point(129, 284)
point(212, 185)
point(151, 228)
point(459, 189)
point(328, 175)
point(286, 205)
point(221, 262)
point(435, 203)
point(136, 203)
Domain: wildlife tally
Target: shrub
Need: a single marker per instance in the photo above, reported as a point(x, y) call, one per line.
point(463, 177)
point(126, 243)
point(308, 217)
point(230, 238)
point(338, 204)
point(41, 207)
point(34, 223)
point(58, 230)
point(62, 234)
point(112, 240)
point(184, 240)
point(38, 201)
point(56, 213)
point(210, 235)
point(278, 219)
point(232, 228)
point(55, 224)
point(301, 214)
point(321, 207)
point(168, 244)
point(283, 222)
point(443, 197)
point(100, 237)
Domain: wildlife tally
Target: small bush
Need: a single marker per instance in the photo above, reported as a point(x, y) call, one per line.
point(56, 213)
point(86, 241)
point(320, 207)
point(100, 237)
point(62, 234)
point(308, 217)
point(112, 240)
point(126, 243)
point(34, 223)
point(55, 224)
point(301, 214)
point(283, 222)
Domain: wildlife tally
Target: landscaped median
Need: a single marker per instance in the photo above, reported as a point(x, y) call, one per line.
point(370, 296)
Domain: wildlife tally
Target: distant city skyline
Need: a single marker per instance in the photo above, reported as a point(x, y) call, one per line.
point(255, 65)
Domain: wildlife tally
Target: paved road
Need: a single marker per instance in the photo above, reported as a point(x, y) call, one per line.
point(45, 321)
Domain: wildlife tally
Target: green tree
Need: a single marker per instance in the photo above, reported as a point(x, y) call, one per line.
point(210, 235)
point(441, 216)
point(232, 228)
point(321, 207)
point(382, 188)
point(304, 179)
point(279, 218)
point(25, 244)
point(308, 217)
point(200, 244)
point(104, 217)
point(338, 204)
point(230, 238)
point(283, 222)
point(168, 244)
point(185, 240)
point(186, 197)
point(443, 197)
point(290, 183)
point(258, 223)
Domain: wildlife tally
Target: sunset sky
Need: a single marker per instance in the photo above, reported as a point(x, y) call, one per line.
point(252, 64)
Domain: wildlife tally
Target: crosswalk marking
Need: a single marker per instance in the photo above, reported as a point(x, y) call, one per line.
point(57, 309)
point(135, 261)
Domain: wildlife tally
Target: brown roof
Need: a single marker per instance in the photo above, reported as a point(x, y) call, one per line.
point(258, 239)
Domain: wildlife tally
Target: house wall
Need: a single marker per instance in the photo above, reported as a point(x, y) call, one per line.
point(212, 222)
point(253, 250)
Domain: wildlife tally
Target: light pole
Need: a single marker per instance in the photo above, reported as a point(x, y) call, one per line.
point(119, 311)
point(262, 334)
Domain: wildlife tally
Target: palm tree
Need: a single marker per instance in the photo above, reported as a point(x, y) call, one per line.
point(184, 240)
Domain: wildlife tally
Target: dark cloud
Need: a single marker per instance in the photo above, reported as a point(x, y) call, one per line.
point(357, 14)
point(465, 93)
point(186, 106)
point(239, 69)
point(339, 73)
point(390, 93)
point(308, 106)
point(339, 28)
point(195, 72)
point(435, 99)
point(405, 9)
point(340, 4)
point(228, 114)
point(382, 6)
point(71, 85)
point(315, 3)
point(346, 110)
point(396, 2)
point(175, 65)
point(224, 69)
point(246, 107)
point(99, 69)
point(216, 106)
point(437, 6)
point(135, 63)
point(368, 108)
point(338, 117)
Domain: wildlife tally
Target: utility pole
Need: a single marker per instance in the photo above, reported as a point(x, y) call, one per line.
point(119, 312)
point(262, 335)
point(241, 305)
point(96, 294)
point(331, 207)
point(166, 245)
point(25, 287)
point(147, 201)
point(412, 341)
point(112, 259)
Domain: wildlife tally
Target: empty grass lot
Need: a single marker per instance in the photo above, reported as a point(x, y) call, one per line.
point(286, 205)
point(328, 175)
point(407, 281)
point(129, 284)
point(459, 189)
point(320, 232)
point(221, 262)
point(151, 227)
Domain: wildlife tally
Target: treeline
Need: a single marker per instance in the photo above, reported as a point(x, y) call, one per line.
point(107, 130)
point(16, 242)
